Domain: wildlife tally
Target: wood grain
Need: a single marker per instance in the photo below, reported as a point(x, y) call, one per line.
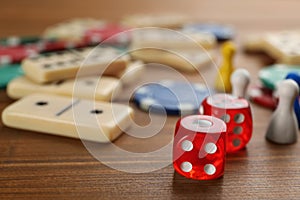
point(39, 166)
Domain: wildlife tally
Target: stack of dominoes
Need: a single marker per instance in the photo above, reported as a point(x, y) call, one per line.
point(59, 74)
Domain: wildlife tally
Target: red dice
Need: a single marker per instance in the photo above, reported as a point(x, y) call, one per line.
point(236, 113)
point(199, 147)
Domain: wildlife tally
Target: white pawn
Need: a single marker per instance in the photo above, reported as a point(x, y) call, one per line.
point(283, 127)
point(240, 80)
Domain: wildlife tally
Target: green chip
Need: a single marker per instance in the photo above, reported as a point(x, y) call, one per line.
point(9, 72)
point(272, 75)
point(15, 40)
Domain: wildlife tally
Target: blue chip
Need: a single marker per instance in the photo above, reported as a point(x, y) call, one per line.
point(174, 98)
point(296, 77)
point(9, 72)
point(222, 32)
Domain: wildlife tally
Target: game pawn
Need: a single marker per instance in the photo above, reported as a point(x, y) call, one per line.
point(283, 127)
point(226, 69)
point(199, 147)
point(234, 110)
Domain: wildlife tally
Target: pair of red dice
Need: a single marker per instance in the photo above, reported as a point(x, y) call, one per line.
point(202, 141)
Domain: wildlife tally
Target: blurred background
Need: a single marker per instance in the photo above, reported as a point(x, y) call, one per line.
point(33, 16)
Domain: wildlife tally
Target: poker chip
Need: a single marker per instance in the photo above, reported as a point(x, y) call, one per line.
point(221, 32)
point(263, 97)
point(110, 33)
point(174, 98)
point(16, 54)
point(17, 41)
point(272, 75)
point(8, 73)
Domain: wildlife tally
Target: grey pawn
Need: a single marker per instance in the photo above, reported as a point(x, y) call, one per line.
point(283, 127)
point(240, 80)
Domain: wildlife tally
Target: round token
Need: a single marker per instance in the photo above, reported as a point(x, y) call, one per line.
point(263, 97)
point(174, 98)
point(221, 32)
point(9, 72)
point(272, 75)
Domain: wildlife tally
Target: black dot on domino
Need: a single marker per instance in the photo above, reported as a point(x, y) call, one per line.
point(89, 82)
point(47, 66)
point(96, 111)
point(41, 103)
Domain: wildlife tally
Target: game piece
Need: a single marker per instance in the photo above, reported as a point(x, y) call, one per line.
point(270, 76)
point(283, 127)
point(17, 41)
point(226, 69)
point(263, 96)
point(8, 73)
point(282, 45)
point(172, 21)
point(62, 65)
point(296, 78)
point(62, 31)
point(236, 113)
point(174, 98)
point(166, 39)
point(199, 147)
point(240, 80)
point(64, 116)
point(253, 43)
point(221, 32)
point(93, 88)
point(133, 71)
point(10, 55)
point(109, 34)
point(185, 61)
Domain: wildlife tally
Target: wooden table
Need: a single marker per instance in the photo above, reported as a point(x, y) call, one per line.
point(39, 166)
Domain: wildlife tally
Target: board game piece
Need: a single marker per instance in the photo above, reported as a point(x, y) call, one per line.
point(16, 54)
point(240, 80)
point(263, 96)
point(185, 61)
point(199, 147)
point(174, 98)
point(283, 127)
point(133, 71)
point(8, 73)
point(78, 27)
point(237, 115)
point(108, 34)
point(93, 87)
point(172, 21)
point(64, 116)
point(166, 39)
point(226, 69)
point(62, 65)
point(296, 78)
point(17, 41)
point(270, 76)
point(253, 43)
point(283, 46)
point(221, 32)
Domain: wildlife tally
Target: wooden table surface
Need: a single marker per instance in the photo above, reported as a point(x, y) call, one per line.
point(39, 166)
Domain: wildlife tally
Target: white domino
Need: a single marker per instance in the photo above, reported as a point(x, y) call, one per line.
point(92, 87)
point(81, 119)
point(72, 30)
point(133, 72)
point(186, 61)
point(66, 64)
point(167, 39)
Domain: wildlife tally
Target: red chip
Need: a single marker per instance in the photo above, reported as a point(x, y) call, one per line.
point(17, 53)
point(263, 96)
point(113, 33)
